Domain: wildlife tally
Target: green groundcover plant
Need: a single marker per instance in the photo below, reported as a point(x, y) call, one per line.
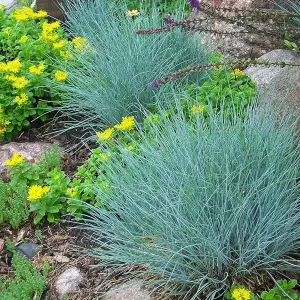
point(114, 78)
point(27, 283)
point(28, 46)
point(201, 203)
point(42, 190)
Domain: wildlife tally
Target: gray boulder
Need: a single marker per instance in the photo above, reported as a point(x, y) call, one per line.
point(132, 290)
point(278, 87)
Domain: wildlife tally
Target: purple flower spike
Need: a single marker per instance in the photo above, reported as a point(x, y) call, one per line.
point(168, 20)
point(155, 84)
point(194, 4)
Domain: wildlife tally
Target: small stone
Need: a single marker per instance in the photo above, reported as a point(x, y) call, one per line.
point(28, 249)
point(132, 290)
point(61, 258)
point(68, 281)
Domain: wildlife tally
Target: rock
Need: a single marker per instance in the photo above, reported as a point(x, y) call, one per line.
point(277, 86)
point(68, 282)
point(10, 4)
point(32, 152)
point(132, 290)
point(28, 249)
point(226, 38)
point(263, 76)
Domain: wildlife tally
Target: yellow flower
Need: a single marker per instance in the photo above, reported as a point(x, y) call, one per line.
point(241, 294)
point(3, 67)
point(105, 135)
point(105, 156)
point(72, 192)
point(36, 192)
point(47, 33)
point(132, 13)
point(197, 109)
point(237, 73)
point(21, 99)
point(14, 66)
point(2, 131)
point(60, 76)
point(126, 124)
point(6, 123)
point(7, 31)
point(15, 160)
point(66, 55)
point(41, 14)
point(23, 14)
point(23, 39)
point(18, 82)
point(59, 44)
point(38, 70)
point(79, 43)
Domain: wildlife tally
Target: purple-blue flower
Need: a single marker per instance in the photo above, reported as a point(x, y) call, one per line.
point(155, 84)
point(168, 20)
point(194, 4)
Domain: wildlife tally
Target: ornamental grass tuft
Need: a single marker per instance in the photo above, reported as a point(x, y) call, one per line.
point(201, 204)
point(114, 73)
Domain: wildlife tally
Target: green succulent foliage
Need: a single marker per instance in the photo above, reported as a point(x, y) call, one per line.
point(35, 173)
point(22, 40)
point(28, 282)
point(229, 91)
point(14, 209)
point(48, 173)
point(53, 204)
point(284, 290)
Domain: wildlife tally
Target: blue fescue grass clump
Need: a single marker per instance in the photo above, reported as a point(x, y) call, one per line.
point(201, 204)
point(114, 75)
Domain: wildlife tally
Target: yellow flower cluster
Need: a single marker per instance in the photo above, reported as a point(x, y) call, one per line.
point(15, 160)
point(132, 13)
point(105, 135)
point(27, 13)
point(37, 192)
point(59, 44)
point(237, 73)
point(105, 156)
point(3, 124)
point(72, 192)
point(48, 32)
point(38, 70)
point(126, 124)
point(7, 31)
point(23, 39)
point(79, 43)
point(17, 82)
point(197, 109)
point(60, 75)
point(66, 55)
point(21, 99)
point(241, 294)
point(13, 66)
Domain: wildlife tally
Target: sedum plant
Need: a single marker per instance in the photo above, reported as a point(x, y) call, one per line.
point(28, 46)
point(114, 78)
point(28, 282)
point(13, 209)
point(199, 204)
